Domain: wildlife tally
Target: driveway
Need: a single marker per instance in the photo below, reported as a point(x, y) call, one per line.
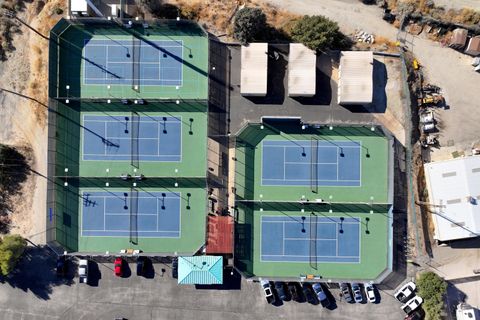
point(34, 292)
point(444, 67)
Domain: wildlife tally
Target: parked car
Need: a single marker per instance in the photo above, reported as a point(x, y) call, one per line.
point(322, 297)
point(370, 292)
point(346, 293)
point(62, 266)
point(83, 270)
point(143, 263)
point(295, 291)
point(118, 266)
point(175, 268)
point(309, 294)
point(405, 292)
point(357, 293)
point(412, 304)
point(267, 290)
point(418, 314)
point(281, 291)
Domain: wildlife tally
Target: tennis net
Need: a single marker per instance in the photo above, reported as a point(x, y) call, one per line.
point(133, 216)
point(313, 241)
point(134, 148)
point(136, 45)
point(314, 165)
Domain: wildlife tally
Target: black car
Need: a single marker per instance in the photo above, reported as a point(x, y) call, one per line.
point(346, 293)
point(310, 296)
point(143, 263)
point(62, 266)
point(175, 268)
point(283, 294)
point(295, 291)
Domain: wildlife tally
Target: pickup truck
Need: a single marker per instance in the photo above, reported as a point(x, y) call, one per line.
point(267, 290)
point(405, 292)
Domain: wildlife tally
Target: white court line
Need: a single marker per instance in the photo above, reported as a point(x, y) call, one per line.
point(300, 147)
point(291, 255)
point(268, 179)
point(158, 134)
point(337, 161)
point(283, 236)
point(336, 239)
point(284, 167)
point(304, 163)
point(156, 202)
point(127, 214)
point(309, 239)
point(105, 146)
point(104, 215)
point(128, 155)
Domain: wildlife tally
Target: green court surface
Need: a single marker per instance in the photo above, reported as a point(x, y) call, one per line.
point(361, 191)
point(70, 202)
point(72, 82)
point(71, 142)
point(375, 247)
point(374, 163)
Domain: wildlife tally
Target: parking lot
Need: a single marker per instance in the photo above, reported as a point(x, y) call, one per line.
point(34, 292)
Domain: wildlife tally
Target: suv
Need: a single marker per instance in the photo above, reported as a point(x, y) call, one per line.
point(405, 292)
point(267, 290)
point(412, 304)
point(357, 293)
point(83, 270)
point(295, 291)
point(322, 297)
point(346, 293)
point(62, 266)
point(143, 265)
point(309, 294)
point(282, 293)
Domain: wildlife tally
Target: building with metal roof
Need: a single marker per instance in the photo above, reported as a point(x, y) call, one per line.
point(355, 84)
point(473, 47)
point(454, 197)
point(302, 70)
point(458, 39)
point(254, 69)
point(200, 270)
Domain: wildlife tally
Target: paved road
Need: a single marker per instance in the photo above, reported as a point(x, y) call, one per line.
point(37, 294)
point(445, 67)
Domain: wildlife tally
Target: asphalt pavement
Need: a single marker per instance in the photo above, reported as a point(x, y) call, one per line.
point(33, 291)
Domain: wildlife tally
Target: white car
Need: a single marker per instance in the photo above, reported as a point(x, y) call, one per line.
point(412, 304)
point(83, 270)
point(405, 292)
point(267, 289)
point(370, 292)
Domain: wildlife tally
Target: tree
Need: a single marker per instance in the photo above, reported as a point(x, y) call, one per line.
point(432, 288)
point(249, 23)
point(11, 248)
point(318, 33)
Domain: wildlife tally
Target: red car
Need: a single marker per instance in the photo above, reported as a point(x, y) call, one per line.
point(118, 266)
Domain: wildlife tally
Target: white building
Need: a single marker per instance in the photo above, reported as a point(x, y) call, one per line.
point(302, 71)
point(254, 69)
point(355, 78)
point(454, 197)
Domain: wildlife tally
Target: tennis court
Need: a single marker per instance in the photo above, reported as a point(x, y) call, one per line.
point(137, 62)
point(307, 162)
point(303, 239)
point(118, 214)
point(121, 137)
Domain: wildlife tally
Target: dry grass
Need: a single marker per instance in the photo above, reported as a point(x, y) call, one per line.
point(43, 19)
point(216, 16)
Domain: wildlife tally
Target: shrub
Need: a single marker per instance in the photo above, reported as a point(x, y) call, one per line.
point(432, 288)
point(249, 23)
point(11, 248)
point(318, 33)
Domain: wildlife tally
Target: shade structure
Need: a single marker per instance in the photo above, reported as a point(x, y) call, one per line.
point(355, 84)
point(254, 69)
point(302, 70)
point(473, 47)
point(200, 270)
point(454, 197)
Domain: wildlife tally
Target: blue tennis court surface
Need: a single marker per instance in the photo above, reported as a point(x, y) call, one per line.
point(111, 62)
point(289, 163)
point(110, 138)
point(108, 214)
point(288, 239)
